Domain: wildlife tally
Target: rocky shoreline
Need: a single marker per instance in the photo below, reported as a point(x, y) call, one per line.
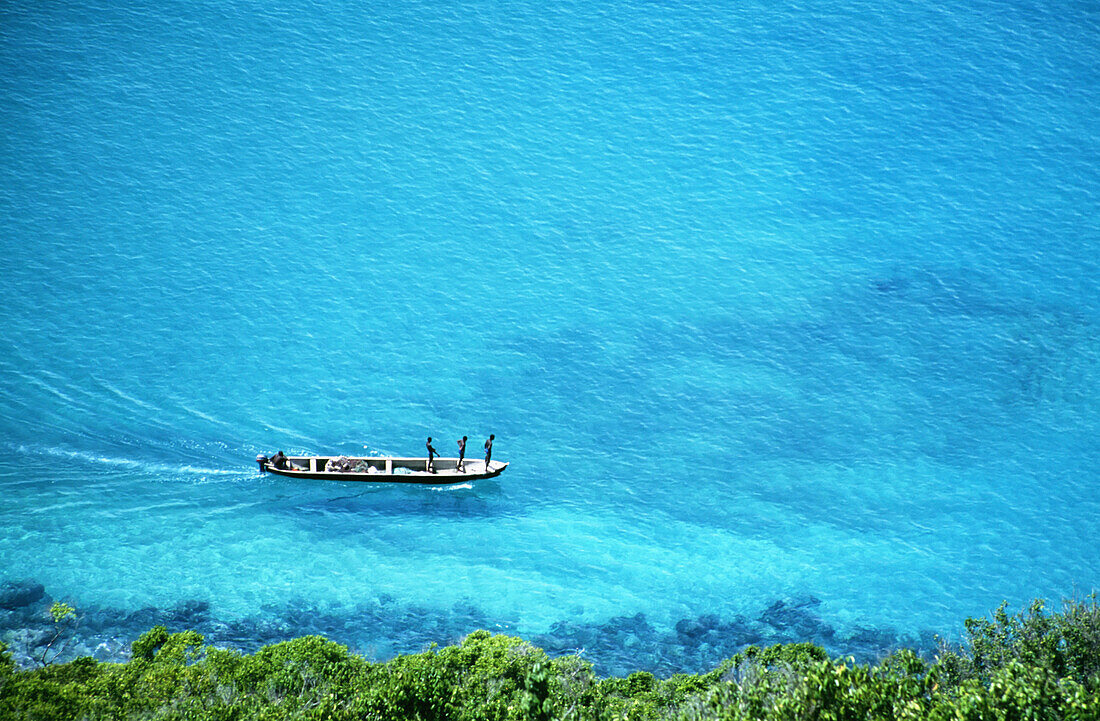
point(381, 628)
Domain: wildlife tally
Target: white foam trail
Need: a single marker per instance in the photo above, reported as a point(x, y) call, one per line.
point(47, 387)
point(204, 416)
point(69, 385)
point(125, 462)
point(452, 487)
point(125, 396)
point(287, 431)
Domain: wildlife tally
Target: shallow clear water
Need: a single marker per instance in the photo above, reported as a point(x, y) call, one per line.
point(762, 303)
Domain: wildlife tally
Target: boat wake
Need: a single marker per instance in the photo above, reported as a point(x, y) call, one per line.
point(454, 487)
point(120, 462)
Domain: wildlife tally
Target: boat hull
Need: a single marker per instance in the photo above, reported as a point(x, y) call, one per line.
point(388, 470)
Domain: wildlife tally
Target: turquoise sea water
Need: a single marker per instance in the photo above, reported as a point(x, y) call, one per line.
point(764, 303)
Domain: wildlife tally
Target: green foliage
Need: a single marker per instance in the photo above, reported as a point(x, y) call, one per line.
point(791, 655)
point(1031, 666)
point(1017, 692)
point(146, 646)
point(7, 664)
point(65, 621)
point(1066, 644)
point(61, 612)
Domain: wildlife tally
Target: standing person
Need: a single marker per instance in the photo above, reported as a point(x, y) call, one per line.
point(461, 454)
point(431, 455)
point(488, 451)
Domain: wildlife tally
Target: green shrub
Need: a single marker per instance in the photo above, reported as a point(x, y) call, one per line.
point(1066, 644)
point(1033, 665)
point(147, 645)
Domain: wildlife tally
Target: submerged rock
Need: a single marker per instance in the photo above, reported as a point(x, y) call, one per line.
point(690, 629)
point(20, 594)
point(793, 621)
point(382, 627)
point(784, 614)
point(868, 645)
point(192, 611)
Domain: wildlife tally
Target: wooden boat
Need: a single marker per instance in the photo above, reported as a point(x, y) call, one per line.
point(382, 469)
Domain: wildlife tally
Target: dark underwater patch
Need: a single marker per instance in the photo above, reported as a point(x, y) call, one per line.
point(381, 628)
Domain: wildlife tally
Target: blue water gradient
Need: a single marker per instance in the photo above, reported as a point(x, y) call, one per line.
point(764, 303)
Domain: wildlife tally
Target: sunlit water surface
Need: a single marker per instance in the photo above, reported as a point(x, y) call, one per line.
point(763, 303)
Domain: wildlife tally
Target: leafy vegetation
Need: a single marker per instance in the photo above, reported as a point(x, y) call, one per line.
point(1033, 665)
